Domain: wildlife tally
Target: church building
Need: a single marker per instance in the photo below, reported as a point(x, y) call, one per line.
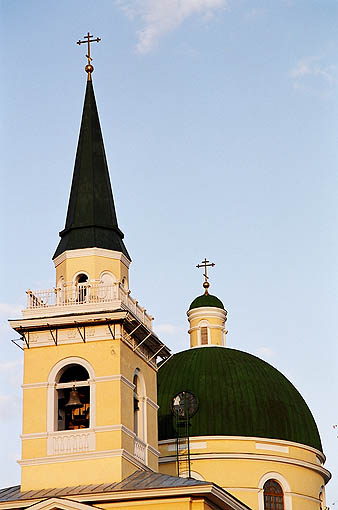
point(121, 422)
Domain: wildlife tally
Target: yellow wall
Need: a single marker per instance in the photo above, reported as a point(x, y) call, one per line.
point(215, 318)
point(177, 503)
point(108, 358)
point(243, 466)
point(92, 265)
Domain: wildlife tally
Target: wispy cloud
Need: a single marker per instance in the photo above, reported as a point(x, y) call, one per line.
point(159, 17)
point(11, 373)
point(10, 407)
point(265, 352)
point(7, 309)
point(169, 329)
point(9, 366)
point(313, 74)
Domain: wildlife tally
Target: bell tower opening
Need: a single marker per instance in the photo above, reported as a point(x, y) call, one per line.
point(73, 398)
point(81, 283)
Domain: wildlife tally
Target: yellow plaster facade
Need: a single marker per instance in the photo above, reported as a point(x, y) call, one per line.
point(207, 326)
point(242, 465)
point(94, 263)
point(109, 448)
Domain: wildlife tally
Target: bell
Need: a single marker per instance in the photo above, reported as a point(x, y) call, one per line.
point(74, 399)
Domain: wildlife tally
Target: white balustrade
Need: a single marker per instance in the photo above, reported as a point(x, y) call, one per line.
point(77, 441)
point(140, 450)
point(87, 294)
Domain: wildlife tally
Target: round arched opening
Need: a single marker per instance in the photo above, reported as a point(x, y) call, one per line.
point(273, 496)
point(73, 398)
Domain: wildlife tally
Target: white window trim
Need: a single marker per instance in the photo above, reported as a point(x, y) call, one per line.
point(272, 475)
point(142, 396)
point(52, 401)
point(203, 324)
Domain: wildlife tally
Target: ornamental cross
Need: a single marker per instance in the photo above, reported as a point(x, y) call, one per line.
point(205, 263)
point(89, 68)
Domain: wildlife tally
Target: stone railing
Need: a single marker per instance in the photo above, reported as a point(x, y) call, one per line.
point(70, 441)
point(86, 295)
point(140, 450)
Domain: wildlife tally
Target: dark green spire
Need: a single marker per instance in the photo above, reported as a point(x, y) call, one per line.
point(91, 217)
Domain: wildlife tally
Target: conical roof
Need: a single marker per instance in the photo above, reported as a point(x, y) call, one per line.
point(91, 218)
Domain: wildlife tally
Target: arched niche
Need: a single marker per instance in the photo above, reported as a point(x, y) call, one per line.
point(67, 373)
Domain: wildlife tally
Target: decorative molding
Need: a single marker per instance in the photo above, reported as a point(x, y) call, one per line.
point(244, 489)
point(210, 326)
point(205, 312)
point(73, 457)
point(152, 403)
point(273, 447)
point(193, 446)
point(153, 450)
point(34, 435)
point(71, 442)
point(89, 252)
point(303, 496)
point(249, 438)
point(60, 504)
point(115, 377)
point(30, 386)
point(113, 428)
point(98, 429)
point(272, 475)
point(252, 456)
point(209, 491)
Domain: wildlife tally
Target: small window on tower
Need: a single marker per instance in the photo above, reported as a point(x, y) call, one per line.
point(204, 335)
point(82, 288)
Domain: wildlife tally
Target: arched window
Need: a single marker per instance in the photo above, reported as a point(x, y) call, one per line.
point(139, 405)
point(322, 498)
point(73, 398)
point(203, 333)
point(273, 496)
point(60, 291)
point(81, 283)
point(136, 405)
point(107, 288)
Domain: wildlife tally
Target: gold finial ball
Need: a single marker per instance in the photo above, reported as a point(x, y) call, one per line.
point(206, 285)
point(89, 68)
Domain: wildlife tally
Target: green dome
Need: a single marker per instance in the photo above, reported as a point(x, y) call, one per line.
point(206, 300)
point(238, 395)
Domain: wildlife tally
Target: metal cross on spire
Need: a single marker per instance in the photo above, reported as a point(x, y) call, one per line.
point(89, 68)
point(205, 263)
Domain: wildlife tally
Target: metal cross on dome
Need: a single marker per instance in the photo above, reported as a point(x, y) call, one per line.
point(205, 264)
point(89, 68)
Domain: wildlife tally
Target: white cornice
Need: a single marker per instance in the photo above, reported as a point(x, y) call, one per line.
point(253, 456)
point(101, 379)
point(282, 442)
point(67, 318)
point(100, 428)
point(89, 252)
point(62, 504)
point(72, 457)
point(152, 403)
point(207, 311)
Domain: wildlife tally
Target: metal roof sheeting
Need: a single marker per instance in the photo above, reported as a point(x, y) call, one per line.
point(137, 481)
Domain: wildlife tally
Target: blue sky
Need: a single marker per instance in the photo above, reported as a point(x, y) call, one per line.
point(220, 126)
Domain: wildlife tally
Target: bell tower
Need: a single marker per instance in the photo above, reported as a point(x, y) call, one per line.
point(90, 355)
